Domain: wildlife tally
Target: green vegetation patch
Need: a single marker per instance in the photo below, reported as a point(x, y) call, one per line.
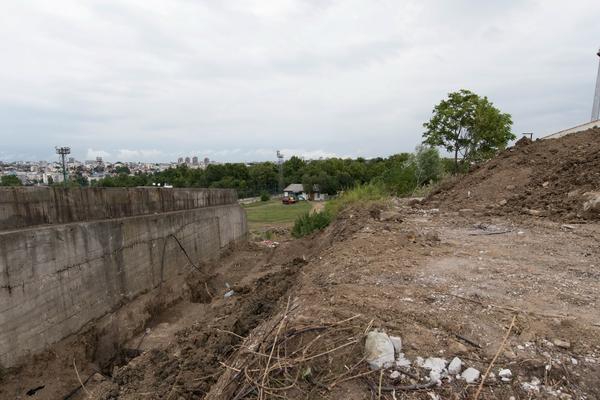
point(273, 212)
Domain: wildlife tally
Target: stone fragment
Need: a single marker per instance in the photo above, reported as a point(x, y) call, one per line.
point(435, 363)
point(397, 343)
point(470, 375)
point(561, 343)
point(505, 374)
point(379, 350)
point(455, 366)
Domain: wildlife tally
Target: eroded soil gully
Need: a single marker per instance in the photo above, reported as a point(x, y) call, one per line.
point(192, 362)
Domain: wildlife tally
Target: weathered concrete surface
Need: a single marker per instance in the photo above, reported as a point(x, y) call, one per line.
point(55, 279)
point(29, 206)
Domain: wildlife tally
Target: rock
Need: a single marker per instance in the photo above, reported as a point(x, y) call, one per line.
point(379, 350)
point(402, 361)
point(229, 294)
point(533, 386)
point(455, 366)
point(390, 216)
point(546, 184)
point(567, 226)
point(435, 363)
point(397, 343)
point(395, 375)
point(415, 200)
point(435, 375)
point(510, 187)
point(535, 213)
point(470, 375)
point(592, 201)
point(505, 374)
point(455, 347)
point(561, 343)
point(503, 202)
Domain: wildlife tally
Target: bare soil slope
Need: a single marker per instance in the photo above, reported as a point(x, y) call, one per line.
point(551, 178)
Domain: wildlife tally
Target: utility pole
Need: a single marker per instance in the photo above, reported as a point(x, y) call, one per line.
point(62, 152)
point(280, 165)
point(596, 107)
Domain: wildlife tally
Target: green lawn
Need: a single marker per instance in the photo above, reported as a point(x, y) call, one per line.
point(273, 212)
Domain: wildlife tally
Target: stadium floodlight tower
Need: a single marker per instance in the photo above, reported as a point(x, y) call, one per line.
point(280, 165)
point(596, 107)
point(62, 152)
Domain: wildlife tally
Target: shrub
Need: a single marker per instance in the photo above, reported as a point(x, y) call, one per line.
point(310, 222)
point(264, 196)
point(360, 194)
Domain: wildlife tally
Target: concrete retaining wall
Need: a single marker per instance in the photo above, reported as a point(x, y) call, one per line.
point(54, 279)
point(29, 206)
point(578, 128)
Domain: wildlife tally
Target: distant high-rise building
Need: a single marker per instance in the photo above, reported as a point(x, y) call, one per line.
point(195, 160)
point(206, 161)
point(99, 160)
point(180, 160)
point(187, 160)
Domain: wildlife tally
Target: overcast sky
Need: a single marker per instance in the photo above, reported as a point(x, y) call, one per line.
point(236, 80)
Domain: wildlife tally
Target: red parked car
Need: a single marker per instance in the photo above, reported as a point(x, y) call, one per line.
point(288, 200)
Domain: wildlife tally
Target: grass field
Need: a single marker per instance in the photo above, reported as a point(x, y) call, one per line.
point(273, 212)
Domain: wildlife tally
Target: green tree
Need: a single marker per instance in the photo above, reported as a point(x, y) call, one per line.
point(469, 126)
point(429, 167)
point(10, 180)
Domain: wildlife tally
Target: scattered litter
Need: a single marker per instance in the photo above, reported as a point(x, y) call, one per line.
point(470, 375)
point(229, 294)
point(269, 243)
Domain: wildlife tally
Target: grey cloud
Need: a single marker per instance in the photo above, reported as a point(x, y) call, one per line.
point(232, 79)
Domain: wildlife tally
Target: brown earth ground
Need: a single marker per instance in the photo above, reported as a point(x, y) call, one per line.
point(485, 269)
point(448, 284)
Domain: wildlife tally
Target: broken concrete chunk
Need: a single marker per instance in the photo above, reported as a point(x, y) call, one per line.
point(402, 361)
point(505, 374)
point(561, 343)
point(379, 350)
point(397, 342)
point(470, 375)
point(455, 366)
point(435, 363)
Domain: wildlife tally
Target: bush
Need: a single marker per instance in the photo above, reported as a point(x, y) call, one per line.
point(264, 196)
point(310, 222)
point(360, 194)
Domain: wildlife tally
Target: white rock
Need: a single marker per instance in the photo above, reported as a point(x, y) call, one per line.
point(395, 375)
point(419, 361)
point(435, 363)
point(505, 374)
point(455, 366)
point(402, 361)
point(379, 350)
point(435, 375)
point(397, 342)
point(574, 361)
point(470, 375)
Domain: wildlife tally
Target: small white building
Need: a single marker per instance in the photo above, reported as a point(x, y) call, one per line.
point(295, 189)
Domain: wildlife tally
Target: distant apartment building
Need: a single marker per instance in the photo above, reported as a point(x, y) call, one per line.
point(195, 160)
point(180, 160)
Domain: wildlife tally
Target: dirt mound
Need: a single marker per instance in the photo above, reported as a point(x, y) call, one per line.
point(557, 178)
